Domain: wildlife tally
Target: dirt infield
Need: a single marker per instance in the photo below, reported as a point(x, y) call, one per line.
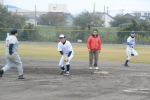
point(43, 81)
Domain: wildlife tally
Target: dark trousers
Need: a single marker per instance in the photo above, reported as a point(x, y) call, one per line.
point(93, 54)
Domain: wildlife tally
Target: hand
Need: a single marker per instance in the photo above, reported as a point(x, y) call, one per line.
point(99, 51)
point(64, 56)
point(134, 43)
point(12, 56)
point(89, 50)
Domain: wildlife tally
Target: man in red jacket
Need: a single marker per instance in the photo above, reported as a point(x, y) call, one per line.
point(94, 48)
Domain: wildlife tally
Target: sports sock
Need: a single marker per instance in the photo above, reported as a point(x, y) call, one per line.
point(68, 67)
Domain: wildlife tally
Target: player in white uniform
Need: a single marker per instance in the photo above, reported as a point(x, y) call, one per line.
point(12, 56)
point(130, 48)
point(66, 50)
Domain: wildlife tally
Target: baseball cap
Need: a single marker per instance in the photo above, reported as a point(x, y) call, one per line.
point(13, 31)
point(132, 32)
point(61, 36)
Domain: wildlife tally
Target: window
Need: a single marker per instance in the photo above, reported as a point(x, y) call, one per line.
point(139, 14)
point(54, 8)
point(145, 13)
point(149, 14)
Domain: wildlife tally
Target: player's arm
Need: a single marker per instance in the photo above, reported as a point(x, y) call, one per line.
point(10, 50)
point(128, 42)
point(89, 44)
point(70, 52)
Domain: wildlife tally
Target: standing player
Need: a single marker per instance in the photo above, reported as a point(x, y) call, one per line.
point(12, 54)
point(65, 49)
point(94, 48)
point(130, 48)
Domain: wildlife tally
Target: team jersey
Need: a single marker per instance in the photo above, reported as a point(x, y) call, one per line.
point(130, 41)
point(12, 40)
point(65, 48)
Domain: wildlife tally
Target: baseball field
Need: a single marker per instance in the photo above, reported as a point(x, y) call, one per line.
point(43, 81)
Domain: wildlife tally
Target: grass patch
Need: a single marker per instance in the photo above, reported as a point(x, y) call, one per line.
point(107, 53)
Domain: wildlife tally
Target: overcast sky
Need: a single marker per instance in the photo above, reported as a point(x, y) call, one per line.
point(76, 6)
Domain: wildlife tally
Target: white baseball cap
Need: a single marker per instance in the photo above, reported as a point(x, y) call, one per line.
point(61, 36)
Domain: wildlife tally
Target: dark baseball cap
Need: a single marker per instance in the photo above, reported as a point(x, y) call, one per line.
point(132, 32)
point(14, 31)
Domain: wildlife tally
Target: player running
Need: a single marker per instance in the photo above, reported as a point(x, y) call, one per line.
point(130, 48)
point(65, 49)
point(12, 54)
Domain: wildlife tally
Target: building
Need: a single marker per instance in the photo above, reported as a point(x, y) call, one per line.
point(2, 2)
point(107, 19)
point(57, 8)
point(141, 13)
point(32, 19)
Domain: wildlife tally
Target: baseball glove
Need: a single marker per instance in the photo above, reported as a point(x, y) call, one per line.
point(66, 59)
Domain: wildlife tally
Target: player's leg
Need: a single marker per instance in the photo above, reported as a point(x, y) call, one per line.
point(18, 62)
point(6, 67)
point(96, 59)
point(61, 65)
point(91, 54)
point(68, 65)
point(128, 52)
point(134, 53)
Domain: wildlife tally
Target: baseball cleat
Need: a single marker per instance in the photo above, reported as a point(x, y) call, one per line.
point(96, 68)
point(21, 77)
point(90, 68)
point(1, 73)
point(126, 65)
point(63, 72)
point(67, 74)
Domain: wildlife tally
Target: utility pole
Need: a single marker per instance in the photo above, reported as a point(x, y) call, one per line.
point(35, 15)
point(94, 8)
point(104, 15)
point(122, 11)
point(107, 10)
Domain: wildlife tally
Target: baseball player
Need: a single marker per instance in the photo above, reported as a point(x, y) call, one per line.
point(65, 49)
point(130, 48)
point(12, 56)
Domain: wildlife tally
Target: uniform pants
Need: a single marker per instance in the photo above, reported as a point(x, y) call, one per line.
point(130, 51)
point(62, 62)
point(16, 60)
point(93, 54)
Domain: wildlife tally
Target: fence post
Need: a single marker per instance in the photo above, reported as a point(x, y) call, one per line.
point(7, 34)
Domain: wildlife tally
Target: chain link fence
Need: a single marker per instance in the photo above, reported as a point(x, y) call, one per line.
point(75, 36)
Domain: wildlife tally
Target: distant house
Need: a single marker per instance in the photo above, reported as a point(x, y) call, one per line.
point(32, 19)
point(140, 15)
point(69, 19)
point(107, 19)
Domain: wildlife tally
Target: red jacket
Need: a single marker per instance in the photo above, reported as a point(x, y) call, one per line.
point(94, 43)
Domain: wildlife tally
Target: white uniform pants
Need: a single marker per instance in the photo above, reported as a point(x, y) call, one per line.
point(130, 51)
point(16, 60)
point(62, 62)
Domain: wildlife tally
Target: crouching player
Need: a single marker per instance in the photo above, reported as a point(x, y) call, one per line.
point(65, 49)
point(130, 48)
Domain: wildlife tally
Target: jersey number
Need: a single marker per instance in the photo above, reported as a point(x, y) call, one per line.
point(7, 42)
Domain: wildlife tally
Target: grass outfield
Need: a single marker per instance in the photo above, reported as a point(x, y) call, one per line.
point(107, 53)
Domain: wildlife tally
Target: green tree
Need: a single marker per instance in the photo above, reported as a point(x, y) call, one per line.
point(30, 34)
point(52, 19)
point(120, 19)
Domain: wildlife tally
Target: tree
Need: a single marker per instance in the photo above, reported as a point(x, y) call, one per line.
point(87, 19)
point(52, 19)
point(120, 19)
point(10, 20)
point(140, 25)
point(29, 35)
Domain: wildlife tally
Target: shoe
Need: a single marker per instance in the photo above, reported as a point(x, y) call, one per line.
point(21, 77)
point(90, 68)
point(1, 73)
point(63, 72)
point(126, 65)
point(96, 68)
point(67, 74)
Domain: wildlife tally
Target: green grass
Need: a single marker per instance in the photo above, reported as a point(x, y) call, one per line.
point(107, 53)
